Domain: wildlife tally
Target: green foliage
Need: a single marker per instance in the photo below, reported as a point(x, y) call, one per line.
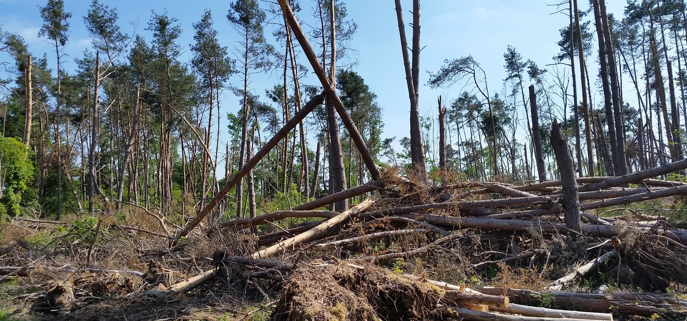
point(55, 22)
point(548, 300)
point(83, 229)
point(16, 171)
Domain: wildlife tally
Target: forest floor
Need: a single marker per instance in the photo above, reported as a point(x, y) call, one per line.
point(472, 251)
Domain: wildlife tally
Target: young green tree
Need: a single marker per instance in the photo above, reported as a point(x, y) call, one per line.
point(16, 172)
point(55, 28)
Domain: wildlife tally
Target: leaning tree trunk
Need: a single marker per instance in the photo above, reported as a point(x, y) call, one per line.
point(541, 167)
point(571, 202)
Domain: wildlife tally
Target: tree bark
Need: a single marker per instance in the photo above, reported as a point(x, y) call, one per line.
point(585, 103)
point(442, 143)
point(95, 119)
point(541, 167)
point(417, 156)
point(313, 187)
point(608, 104)
point(29, 104)
point(571, 202)
point(615, 93)
point(576, 122)
point(127, 150)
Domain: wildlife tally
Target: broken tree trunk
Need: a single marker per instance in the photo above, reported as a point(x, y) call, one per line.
point(291, 124)
point(539, 157)
point(331, 93)
point(571, 202)
point(581, 271)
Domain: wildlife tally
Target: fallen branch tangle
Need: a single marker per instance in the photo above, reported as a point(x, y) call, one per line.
point(414, 220)
point(444, 224)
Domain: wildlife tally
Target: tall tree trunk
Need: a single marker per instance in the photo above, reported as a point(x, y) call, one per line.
point(336, 165)
point(416, 147)
point(442, 143)
point(615, 93)
point(29, 104)
point(58, 143)
point(244, 130)
point(608, 104)
point(585, 104)
point(95, 119)
point(541, 168)
point(127, 150)
point(576, 123)
point(301, 127)
point(660, 85)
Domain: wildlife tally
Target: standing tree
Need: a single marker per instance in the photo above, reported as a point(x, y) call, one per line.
point(246, 17)
point(213, 67)
point(412, 81)
point(55, 28)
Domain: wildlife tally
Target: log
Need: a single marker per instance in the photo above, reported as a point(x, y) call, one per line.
point(274, 216)
point(467, 314)
point(571, 201)
point(526, 310)
point(477, 298)
point(291, 124)
point(523, 225)
point(268, 239)
point(505, 190)
point(581, 271)
point(409, 221)
point(368, 237)
point(305, 236)
point(411, 252)
point(636, 176)
point(643, 304)
point(670, 191)
point(21, 270)
point(331, 92)
point(346, 194)
point(507, 202)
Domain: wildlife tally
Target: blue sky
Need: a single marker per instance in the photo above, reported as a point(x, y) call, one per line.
point(450, 29)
